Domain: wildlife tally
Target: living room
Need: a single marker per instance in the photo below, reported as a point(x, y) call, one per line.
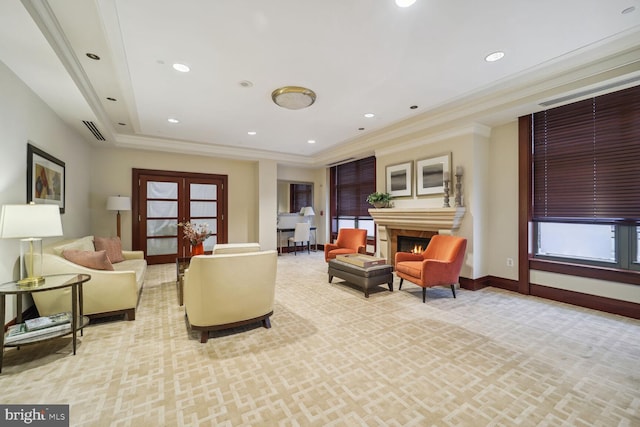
point(489, 156)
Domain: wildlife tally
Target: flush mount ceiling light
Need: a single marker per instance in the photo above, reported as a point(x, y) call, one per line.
point(172, 120)
point(293, 97)
point(495, 56)
point(181, 67)
point(405, 3)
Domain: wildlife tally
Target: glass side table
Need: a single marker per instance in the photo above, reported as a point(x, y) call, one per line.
point(55, 281)
point(182, 263)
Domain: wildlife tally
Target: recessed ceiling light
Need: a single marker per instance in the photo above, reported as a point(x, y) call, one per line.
point(172, 120)
point(360, 128)
point(311, 141)
point(246, 83)
point(252, 132)
point(495, 56)
point(122, 124)
point(93, 56)
point(181, 67)
point(405, 3)
point(369, 115)
point(413, 107)
point(110, 99)
point(628, 10)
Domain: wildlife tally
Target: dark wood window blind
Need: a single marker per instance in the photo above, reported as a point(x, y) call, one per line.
point(351, 184)
point(586, 160)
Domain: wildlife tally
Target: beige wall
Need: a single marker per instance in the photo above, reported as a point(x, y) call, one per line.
point(111, 175)
point(317, 176)
point(23, 118)
point(502, 198)
point(468, 148)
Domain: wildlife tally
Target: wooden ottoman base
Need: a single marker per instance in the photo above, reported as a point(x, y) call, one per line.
point(365, 277)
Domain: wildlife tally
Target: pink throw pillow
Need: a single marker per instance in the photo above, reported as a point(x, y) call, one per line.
point(112, 245)
point(98, 260)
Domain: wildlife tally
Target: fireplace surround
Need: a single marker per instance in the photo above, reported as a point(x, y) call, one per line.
point(413, 222)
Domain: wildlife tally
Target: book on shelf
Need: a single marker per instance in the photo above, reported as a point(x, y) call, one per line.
point(361, 260)
point(48, 321)
point(19, 332)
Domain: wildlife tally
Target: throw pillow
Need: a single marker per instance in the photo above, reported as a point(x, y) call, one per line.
point(98, 260)
point(112, 245)
point(82, 244)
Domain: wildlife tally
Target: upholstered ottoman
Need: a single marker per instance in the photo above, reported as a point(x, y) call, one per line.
point(365, 277)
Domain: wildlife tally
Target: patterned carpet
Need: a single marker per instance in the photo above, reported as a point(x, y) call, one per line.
point(334, 358)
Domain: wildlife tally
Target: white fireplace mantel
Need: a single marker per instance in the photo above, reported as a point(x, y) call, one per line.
point(423, 221)
point(427, 219)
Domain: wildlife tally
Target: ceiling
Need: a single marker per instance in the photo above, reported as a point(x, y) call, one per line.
point(359, 56)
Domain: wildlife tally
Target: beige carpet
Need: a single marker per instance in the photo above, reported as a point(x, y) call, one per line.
point(334, 358)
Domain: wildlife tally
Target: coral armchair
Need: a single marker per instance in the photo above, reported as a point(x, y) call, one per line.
point(438, 265)
point(350, 241)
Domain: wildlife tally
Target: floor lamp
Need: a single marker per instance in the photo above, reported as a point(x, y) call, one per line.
point(30, 223)
point(118, 203)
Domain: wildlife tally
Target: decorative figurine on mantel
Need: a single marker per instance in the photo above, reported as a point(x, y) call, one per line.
point(445, 180)
point(458, 199)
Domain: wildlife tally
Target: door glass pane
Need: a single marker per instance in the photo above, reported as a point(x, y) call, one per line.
point(204, 191)
point(200, 209)
point(162, 190)
point(162, 246)
point(210, 243)
point(162, 227)
point(158, 209)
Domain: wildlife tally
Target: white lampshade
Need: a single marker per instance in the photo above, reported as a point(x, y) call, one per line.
point(118, 203)
point(308, 211)
point(23, 221)
point(29, 223)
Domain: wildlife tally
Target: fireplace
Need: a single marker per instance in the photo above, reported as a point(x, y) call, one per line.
point(398, 237)
point(412, 244)
point(417, 223)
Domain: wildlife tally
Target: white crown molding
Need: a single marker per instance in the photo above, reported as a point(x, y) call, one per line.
point(471, 129)
point(224, 151)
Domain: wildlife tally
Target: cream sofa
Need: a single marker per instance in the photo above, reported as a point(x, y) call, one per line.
point(107, 293)
point(227, 290)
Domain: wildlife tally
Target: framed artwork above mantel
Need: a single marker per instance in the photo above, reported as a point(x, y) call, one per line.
point(430, 174)
point(45, 178)
point(399, 180)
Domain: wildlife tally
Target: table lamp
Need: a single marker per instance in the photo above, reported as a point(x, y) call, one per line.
point(308, 211)
point(118, 203)
point(30, 223)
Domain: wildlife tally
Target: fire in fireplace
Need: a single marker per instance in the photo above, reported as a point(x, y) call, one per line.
point(412, 244)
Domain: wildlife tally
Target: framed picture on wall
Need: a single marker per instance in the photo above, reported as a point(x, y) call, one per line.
point(430, 174)
point(45, 178)
point(399, 180)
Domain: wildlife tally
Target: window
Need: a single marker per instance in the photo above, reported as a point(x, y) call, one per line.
point(585, 174)
point(351, 183)
point(300, 195)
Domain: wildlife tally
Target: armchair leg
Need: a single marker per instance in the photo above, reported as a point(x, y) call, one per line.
point(424, 295)
point(453, 289)
point(400, 287)
point(266, 322)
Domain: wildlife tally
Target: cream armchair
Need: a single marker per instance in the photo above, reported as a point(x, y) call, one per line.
point(225, 291)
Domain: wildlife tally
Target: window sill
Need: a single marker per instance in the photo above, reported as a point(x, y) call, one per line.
point(592, 272)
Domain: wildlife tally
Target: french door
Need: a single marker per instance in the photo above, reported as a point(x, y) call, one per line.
point(162, 200)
